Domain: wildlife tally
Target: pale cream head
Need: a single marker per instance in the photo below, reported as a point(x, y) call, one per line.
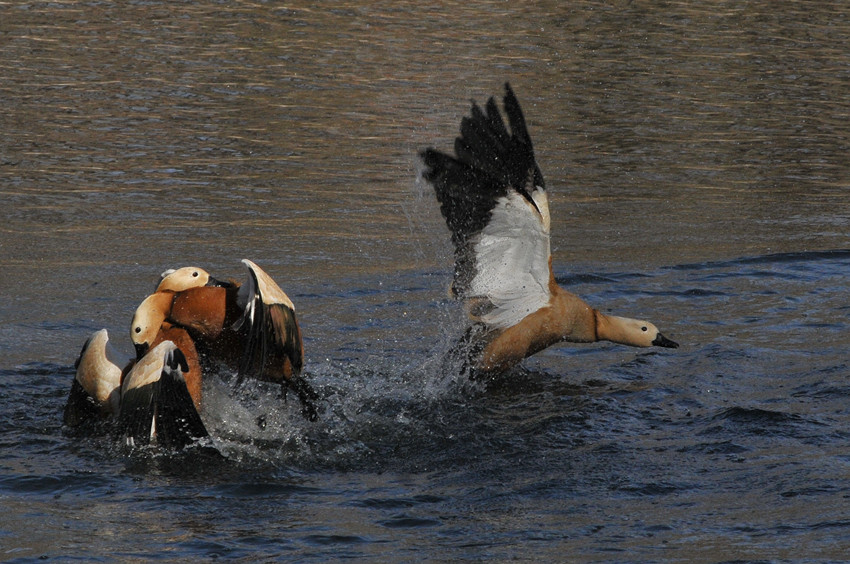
point(183, 279)
point(149, 317)
point(634, 332)
point(641, 333)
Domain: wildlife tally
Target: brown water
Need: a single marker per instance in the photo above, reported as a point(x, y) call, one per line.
point(696, 156)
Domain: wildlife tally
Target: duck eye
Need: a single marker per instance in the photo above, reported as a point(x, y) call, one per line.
point(644, 328)
point(195, 274)
point(138, 329)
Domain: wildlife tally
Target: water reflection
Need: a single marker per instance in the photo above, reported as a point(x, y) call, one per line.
point(265, 120)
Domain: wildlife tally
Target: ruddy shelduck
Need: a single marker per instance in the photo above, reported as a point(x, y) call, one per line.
point(493, 198)
point(193, 374)
point(96, 393)
point(251, 326)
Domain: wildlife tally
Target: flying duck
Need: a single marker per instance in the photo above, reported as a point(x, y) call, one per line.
point(250, 326)
point(493, 198)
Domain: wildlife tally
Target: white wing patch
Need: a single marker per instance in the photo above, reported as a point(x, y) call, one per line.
point(149, 368)
point(512, 260)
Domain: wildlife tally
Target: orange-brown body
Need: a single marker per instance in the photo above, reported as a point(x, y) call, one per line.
point(251, 327)
point(208, 311)
point(181, 338)
point(208, 315)
point(566, 318)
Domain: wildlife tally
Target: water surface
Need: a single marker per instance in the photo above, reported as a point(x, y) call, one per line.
point(696, 160)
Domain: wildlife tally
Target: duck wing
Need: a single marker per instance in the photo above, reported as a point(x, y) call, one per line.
point(493, 198)
point(97, 382)
point(156, 403)
point(138, 394)
point(177, 421)
point(273, 349)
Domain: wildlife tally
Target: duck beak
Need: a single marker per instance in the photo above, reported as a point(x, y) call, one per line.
point(662, 341)
point(218, 283)
point(141, 350)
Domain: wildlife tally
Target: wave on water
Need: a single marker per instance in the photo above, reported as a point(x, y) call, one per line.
point(770, 258)
point(737, 421)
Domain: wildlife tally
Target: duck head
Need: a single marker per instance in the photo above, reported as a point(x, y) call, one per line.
point(148, 320)
point(177, 280)
point(633, 332)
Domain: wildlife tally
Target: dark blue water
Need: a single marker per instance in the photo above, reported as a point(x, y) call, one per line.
point(732, 446)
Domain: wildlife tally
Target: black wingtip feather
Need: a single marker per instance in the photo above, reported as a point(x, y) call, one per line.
point(165, 405)
point(516, 118)
point(272, 336)
point(285, 320)
point(488, 162)
point(135, 420)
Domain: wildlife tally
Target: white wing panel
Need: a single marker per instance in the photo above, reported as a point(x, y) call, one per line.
point(512, 260)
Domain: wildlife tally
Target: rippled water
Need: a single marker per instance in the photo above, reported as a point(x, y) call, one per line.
point(696, 158)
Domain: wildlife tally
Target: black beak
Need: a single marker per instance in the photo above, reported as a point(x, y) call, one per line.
point(662, 341)
point(219, 283)
point(141, 350)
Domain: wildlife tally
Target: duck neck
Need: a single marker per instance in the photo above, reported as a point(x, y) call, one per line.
point(613, 328)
